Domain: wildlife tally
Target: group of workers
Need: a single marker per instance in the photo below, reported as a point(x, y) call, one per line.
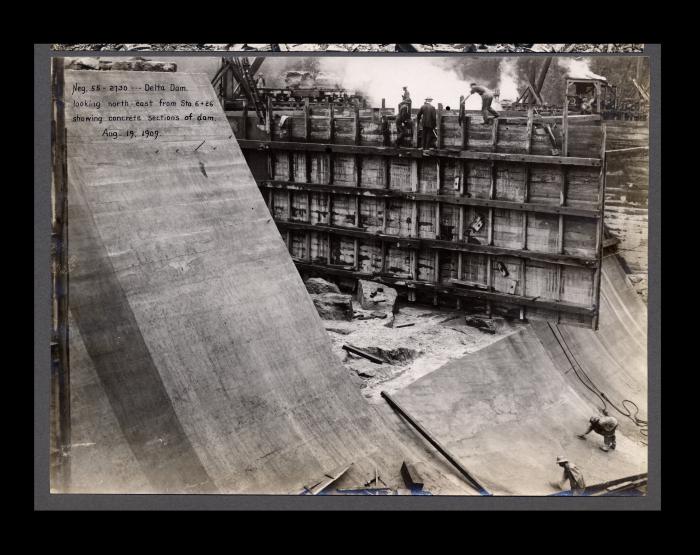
point(426, 118)
point(606, 426)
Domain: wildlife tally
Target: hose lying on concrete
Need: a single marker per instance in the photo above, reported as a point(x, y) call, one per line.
point(591, 386)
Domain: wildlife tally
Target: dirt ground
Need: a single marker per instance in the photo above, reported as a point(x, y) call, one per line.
point(437, 336)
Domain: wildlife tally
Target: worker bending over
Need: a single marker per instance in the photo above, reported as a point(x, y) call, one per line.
point(572, 474)
point(427, 116)
point(604, 426)
point(486, 99)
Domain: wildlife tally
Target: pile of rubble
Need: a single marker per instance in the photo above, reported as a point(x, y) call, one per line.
point(106, 64)
point(385, 345)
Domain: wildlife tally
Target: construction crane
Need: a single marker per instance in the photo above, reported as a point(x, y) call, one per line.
point(244, 75)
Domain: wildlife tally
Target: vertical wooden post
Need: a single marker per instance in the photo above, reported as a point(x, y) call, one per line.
point(268, 123)
point(601, 226)
point(383, 266)
point(560, 238)
point(437, 275)
point(357, 125)
point(307, 120)
point(329, 254)
point(270, 165)
point(494, 134)
point(244, 124)
point(526, 199)
point(386, 160)
point(414, 203)
point(465, 133)
point(565, 122)
point(438, 229)
point(60, 409)
point(331, 124)
point(489, 260)
point(414, 125)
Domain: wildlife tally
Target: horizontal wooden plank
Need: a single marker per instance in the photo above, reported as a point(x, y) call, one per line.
point(422, 243)
point(452, 290)
point(419, 153)
point(354, 190)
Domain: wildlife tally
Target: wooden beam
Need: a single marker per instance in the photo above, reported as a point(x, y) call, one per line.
point(435, 443)
point(432, 197)
point(417, 153)
point(431, 287)
point(420, 243)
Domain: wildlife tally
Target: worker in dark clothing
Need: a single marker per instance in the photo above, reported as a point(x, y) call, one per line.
point(260, 82)
point(604, 426)
point(572, 474)
point(403, 124)
point(486, 99)
point(427, 118)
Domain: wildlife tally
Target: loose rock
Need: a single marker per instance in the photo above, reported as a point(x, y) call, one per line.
point(333, 306)
point(376, 297)
point(318, 286)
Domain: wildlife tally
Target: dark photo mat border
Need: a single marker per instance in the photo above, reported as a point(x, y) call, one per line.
point(44, 500)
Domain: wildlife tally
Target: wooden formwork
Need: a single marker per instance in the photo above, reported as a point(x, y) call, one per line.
point(506, 214)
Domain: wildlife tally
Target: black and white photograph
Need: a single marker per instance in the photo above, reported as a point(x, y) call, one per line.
point(287, 274)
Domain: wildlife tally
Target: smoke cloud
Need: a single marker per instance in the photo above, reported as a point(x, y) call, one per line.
point(379, 78)
point(508, 80)
point(578, 68)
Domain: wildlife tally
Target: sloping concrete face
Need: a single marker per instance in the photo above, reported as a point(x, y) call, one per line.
point(507, 411)
point(199, 363)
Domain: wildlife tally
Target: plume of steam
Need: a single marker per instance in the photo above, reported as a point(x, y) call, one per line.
point(578, 68)
point(379, 78)
point(443, 79)
point(508, 80)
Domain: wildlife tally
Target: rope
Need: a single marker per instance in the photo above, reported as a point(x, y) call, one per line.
point(627, 412)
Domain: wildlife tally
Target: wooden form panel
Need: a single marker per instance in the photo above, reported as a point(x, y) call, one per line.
point(508, 228)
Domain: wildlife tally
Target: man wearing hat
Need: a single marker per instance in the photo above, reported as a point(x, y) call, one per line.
point(427, 116)
point(604, 426)
point(572, 474)
point(486, 99)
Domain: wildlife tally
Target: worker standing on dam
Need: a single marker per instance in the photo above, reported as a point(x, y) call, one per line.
point(604, 426)
point(406, 98)
point(486, 99)
point(572, 474)
point(427, 116)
